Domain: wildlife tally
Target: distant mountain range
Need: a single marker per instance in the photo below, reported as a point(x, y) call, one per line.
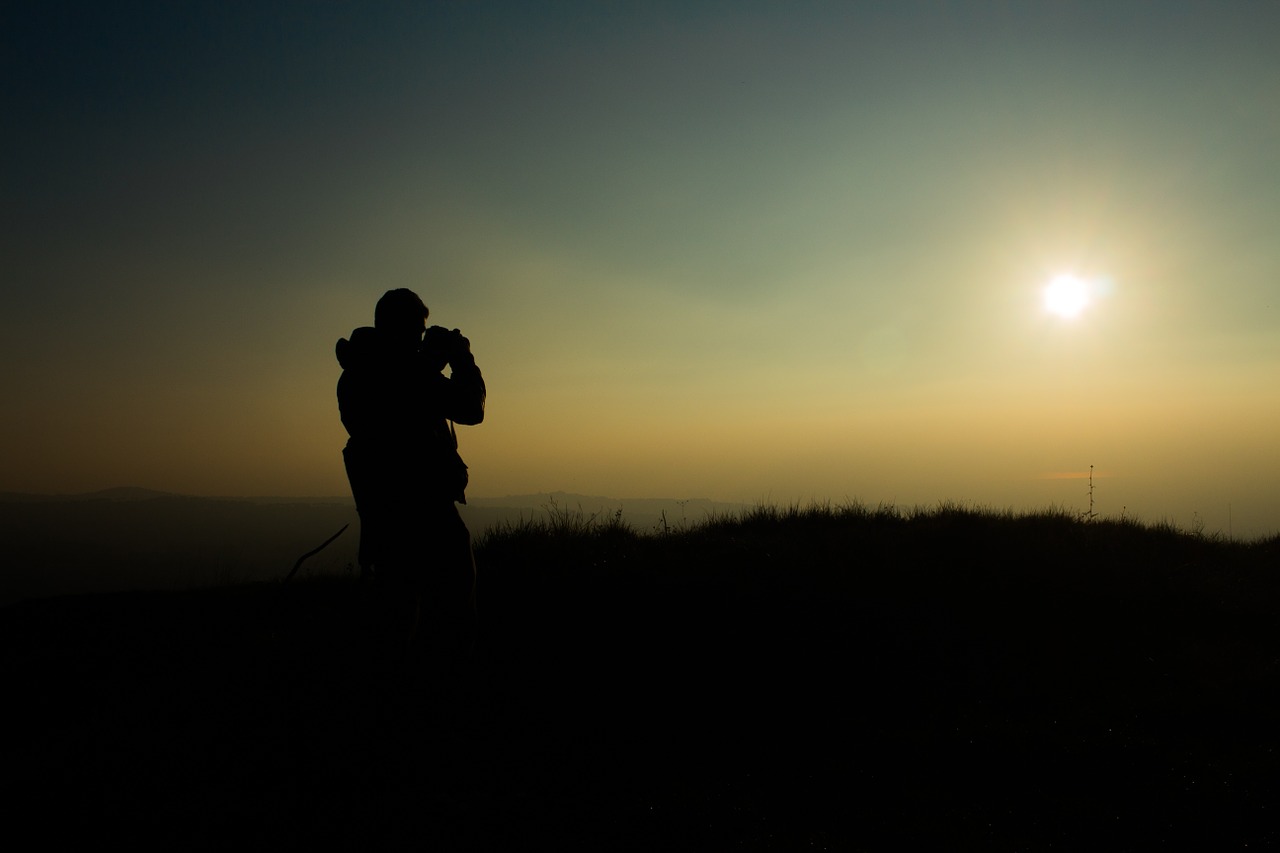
point(122, 493)
point(135, 493)
point(640, 512)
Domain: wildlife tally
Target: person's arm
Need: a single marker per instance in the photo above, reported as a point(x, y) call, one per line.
point(465, 395)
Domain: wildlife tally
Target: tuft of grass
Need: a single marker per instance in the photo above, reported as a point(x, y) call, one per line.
point(559, 524)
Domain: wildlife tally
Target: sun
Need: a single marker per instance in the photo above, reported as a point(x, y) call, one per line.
point(1066, 296)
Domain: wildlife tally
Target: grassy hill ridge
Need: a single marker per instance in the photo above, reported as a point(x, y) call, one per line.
point(847, 678)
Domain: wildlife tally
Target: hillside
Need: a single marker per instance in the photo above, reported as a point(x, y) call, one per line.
point(831, 678)
point(132, 539)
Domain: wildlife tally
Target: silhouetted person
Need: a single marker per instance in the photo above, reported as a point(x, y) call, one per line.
point(401, 458)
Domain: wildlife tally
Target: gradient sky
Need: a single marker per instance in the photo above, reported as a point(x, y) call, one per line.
point(744, 251)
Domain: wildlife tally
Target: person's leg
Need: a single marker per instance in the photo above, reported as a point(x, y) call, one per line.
point(449, 589)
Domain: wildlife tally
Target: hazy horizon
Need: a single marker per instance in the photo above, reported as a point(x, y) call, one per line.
point(744, 252)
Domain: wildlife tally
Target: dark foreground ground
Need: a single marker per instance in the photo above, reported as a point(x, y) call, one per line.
point(843, 680)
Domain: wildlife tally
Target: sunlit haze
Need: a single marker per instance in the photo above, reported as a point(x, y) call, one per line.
point(1066, 296)
point(889, 252)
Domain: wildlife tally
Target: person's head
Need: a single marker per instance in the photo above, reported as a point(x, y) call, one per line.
point(401, 315)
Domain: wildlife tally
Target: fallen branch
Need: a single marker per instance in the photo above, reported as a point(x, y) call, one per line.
point(312, 553)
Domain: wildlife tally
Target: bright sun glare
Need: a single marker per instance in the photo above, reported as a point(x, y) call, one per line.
point(1066, 296)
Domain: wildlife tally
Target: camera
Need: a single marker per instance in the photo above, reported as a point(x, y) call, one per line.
point(440, 346)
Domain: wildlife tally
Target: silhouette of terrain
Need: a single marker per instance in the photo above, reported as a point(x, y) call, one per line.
point(123, 539)
point(829, 678)
point(140, 539)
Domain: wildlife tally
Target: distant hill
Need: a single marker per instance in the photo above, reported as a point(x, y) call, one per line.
point(130, 539)
point(120, 493)
point(135, 493)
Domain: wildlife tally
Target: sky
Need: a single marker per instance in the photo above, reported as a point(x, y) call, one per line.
point(757, 252)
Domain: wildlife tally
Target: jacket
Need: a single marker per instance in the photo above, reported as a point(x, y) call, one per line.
point(397, 411)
